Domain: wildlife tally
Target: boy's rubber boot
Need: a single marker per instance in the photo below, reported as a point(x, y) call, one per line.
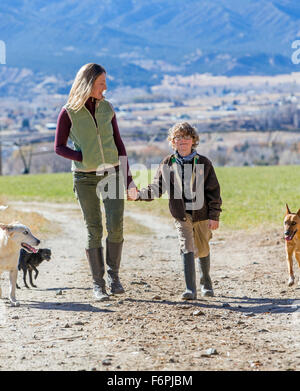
point(96, 262)
point(205, 280)
point(190, 276)
point(113, 260)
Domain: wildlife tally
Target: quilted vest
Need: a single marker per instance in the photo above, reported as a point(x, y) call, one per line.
point(96, 143)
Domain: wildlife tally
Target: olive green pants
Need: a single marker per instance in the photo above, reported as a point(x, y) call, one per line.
point(88, 188)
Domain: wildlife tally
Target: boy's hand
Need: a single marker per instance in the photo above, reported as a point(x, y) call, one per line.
point(213, 224)
point(132, 194)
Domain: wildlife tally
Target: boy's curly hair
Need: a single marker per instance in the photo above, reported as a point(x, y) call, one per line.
point(185, 129)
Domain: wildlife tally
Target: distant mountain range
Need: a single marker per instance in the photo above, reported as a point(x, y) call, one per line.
point(137, 41)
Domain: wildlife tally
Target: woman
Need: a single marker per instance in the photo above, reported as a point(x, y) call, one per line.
point(90, 122)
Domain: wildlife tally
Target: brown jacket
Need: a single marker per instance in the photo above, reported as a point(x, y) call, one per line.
point(165, 179)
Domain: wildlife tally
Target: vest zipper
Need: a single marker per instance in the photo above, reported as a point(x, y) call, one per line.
point(98, 134)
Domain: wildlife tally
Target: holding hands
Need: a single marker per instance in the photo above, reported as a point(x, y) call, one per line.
point(132, 194)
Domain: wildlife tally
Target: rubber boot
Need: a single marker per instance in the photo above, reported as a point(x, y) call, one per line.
point(205, 280)
point(96, 262)
point(113, 260)
point(190, 276)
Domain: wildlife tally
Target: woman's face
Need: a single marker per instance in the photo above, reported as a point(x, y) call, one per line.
point(99, 86)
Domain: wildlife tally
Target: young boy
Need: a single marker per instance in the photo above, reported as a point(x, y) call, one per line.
point(194, 202)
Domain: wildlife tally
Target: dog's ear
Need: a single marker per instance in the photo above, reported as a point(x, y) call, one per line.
point(298, 213)
point(288, 212)
point(6, 227)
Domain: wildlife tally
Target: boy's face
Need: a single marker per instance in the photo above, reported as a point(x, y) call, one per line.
point(183, 144)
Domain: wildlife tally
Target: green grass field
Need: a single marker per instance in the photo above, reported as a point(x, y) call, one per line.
point(252, 196)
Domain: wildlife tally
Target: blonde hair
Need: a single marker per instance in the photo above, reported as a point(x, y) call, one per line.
point(185, 129)
point(83, 84)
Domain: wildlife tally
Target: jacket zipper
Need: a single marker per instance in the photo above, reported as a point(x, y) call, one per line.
point(98, 134)
point(191, 183)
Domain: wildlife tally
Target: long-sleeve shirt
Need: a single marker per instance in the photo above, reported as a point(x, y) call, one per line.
point(63, 131)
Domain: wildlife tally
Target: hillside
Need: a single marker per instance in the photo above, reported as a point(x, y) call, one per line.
point(139, 41)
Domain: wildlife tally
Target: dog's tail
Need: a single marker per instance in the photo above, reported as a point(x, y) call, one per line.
point(2, 207)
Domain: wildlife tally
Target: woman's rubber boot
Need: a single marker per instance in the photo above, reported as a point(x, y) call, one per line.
point(205, 280)
point(96, 262)
point(113, 260)
point(190, 276)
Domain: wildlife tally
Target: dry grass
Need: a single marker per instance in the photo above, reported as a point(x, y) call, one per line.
point(131, 227)
point(38, 224)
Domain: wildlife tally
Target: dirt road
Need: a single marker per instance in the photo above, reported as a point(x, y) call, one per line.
point(252, 323)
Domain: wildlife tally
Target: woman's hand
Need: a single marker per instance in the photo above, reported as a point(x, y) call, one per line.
point(213, 224)
point(132, 194)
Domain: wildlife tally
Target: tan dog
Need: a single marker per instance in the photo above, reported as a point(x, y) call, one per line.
point(13, 237)
point(292, 241)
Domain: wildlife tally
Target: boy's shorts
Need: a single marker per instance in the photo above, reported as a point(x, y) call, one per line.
point(193, 237)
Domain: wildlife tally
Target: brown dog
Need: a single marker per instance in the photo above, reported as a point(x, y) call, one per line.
point(292, 240)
